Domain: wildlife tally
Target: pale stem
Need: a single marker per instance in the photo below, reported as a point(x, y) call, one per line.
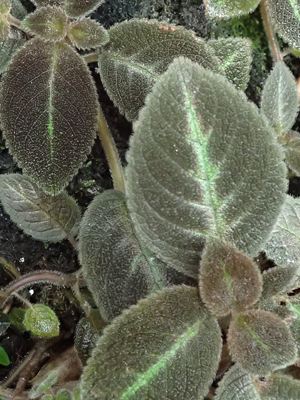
point(271, 35)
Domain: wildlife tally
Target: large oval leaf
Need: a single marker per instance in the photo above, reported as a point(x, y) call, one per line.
point(44, 217)
point(48, 112)
point(166, 347)
point(202, 162)
point(139, 51)
point(117, 270)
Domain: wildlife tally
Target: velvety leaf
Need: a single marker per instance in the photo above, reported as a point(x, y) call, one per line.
point(5, 7)
point(117, 270)
point(293, 305)
point(237, 385)
point(48, 397)
point(4, 358)
point(77, 8)
point(9, 46)
point(229, 8)
point(291, 143)
point(48, 117)
point(85, 339)
point(139, 51)
point(17, 9)
point(283, 246)
point(235, 55)
point(286, 18)
point(41, 321)
point(44, 386)
point(279, 387)
point(261, 342)
point(43, 3)
point(280, 99)
point(4, 30)
point(278, 279)
point(49, 23)
point(44, 217)
point(229, 280)
point(63, 394)
point(199, 150)
point(16, 318)
point(166, 347)
point(87, 34)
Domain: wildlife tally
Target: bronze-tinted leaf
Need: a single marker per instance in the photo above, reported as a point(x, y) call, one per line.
point(278, 279)
point(49, 23)
point(44, 217)
point(9, 46)
point(139, 51)
point(166, 347)
point(261, 342)
point(48, 112)
point(87, 34)
point(77, 8)
point(229, 280)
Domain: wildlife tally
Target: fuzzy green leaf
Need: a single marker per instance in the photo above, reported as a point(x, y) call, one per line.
point(48, 112)
point(237, 385)
point(229, 8)
point(235, 58)
point(4, 358)
point(44, 386)
point(166, 347)
point(17, 9)
point(9, 46)
point(63, 394)
point(199, 150)
point(87, 34)
point(293, 306)
point(49, 23)
point(280, 99)
point(283, 246)
point(78, 8)
point(279, 387)
point(291, 143)
point(44, 217)
point(5, 7)
point(117, 270)
point(286, 18)
point(278, 279)
point(41, 321)
point(139, 51)
point(261, 342)
point(229, 280)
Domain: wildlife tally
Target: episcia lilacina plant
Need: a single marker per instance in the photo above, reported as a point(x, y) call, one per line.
point(182, 307)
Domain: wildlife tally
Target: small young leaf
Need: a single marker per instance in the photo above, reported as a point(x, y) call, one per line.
point(117, 270)
point(44, 217)
point(16, 318)
point(139, 51)
point(237, 385)
point(283, 246)
point(49, 23)
point(261, 342)
point(198, 151)
point(229, 8)
point(235, 55)
point(291, 143)
point(78, 8)
point(87, 34)
point(48, 112)
point(44, 386)
point(280, 99)
point(41, 321)
point(166, 347)
point(4, 359)
point(9, 46)
point(286, 18)
point(85, 339)
point(279, 387)
point(278, 279)
point(229, 280)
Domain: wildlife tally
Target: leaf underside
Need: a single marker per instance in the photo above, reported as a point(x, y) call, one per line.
point(118, 272)
point(166, 347)
point(44, 217)
point(229, 8)
point(139, 51)
point(48, 118)
point(202, 162)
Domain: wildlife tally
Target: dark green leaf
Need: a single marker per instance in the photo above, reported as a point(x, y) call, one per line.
point(166, 347)
point(85, 339)
point(235, 58)
point(280, 98)
point(77, 8)
point(9, 46)
point(261, 342)
point(4, 358)
point(48, 23)
point(229, 280)
point(44, 217)
point(139, 51)
point(202, 162)
point(48, 112)
point(16, 318)
point(41, 321)
point(229, 8)
point(87, 34)
point(291, 143)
